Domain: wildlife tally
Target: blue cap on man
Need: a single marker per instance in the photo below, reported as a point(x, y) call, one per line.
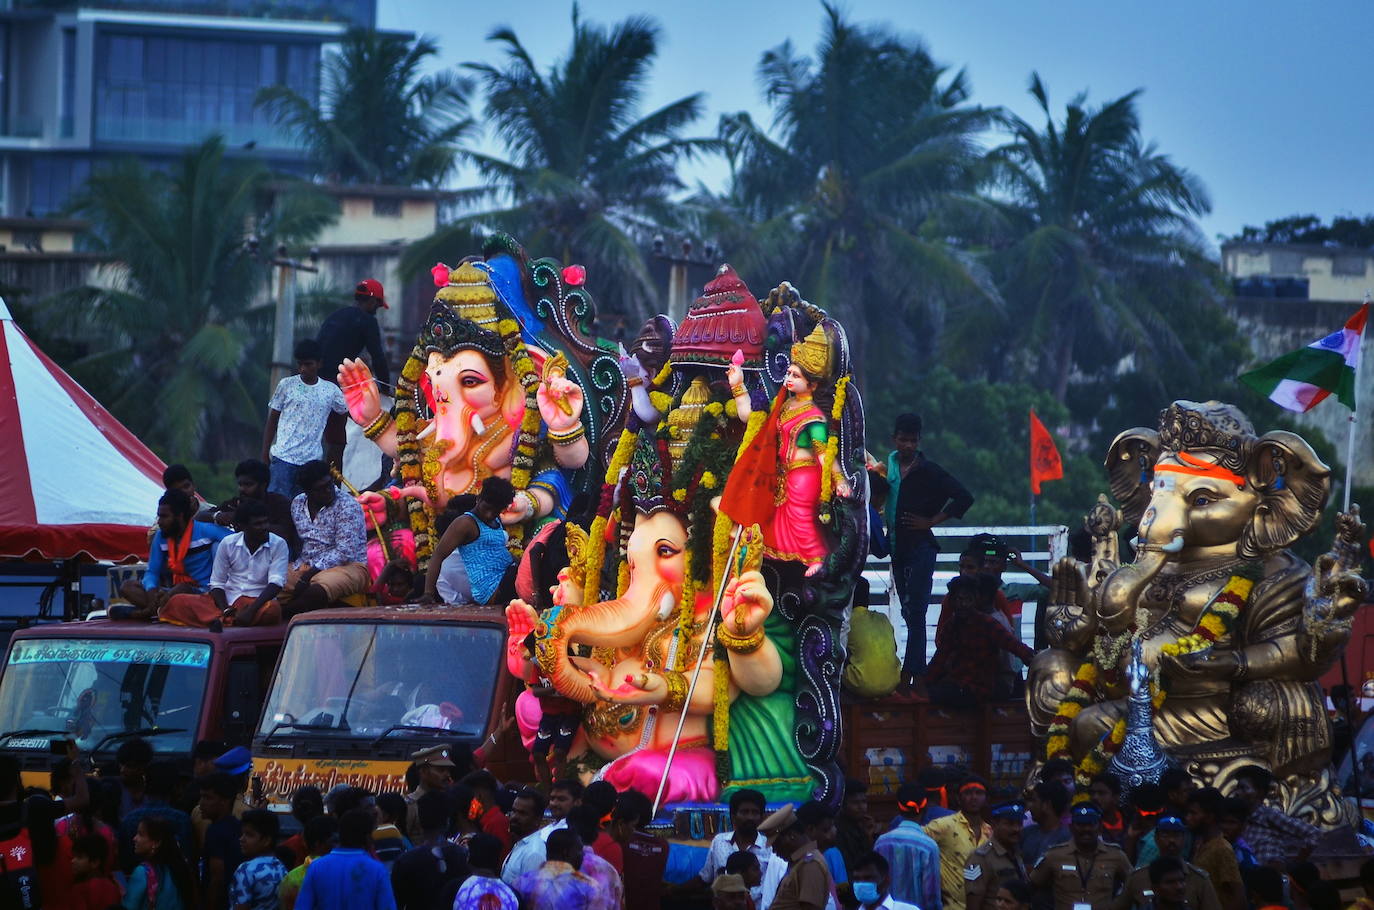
point(236, 761)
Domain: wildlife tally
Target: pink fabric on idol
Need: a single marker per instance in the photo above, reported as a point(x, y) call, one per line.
point(693, 778)
point(527, 715)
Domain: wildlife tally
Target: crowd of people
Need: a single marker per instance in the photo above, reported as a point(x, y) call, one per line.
point(141, 837)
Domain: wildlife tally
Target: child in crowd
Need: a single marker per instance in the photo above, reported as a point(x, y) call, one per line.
point(299, 409)
point(746, 865)
point(387, 838)
point(92, 886)
point(320, 835)
point(162, 879)
point(258, 877)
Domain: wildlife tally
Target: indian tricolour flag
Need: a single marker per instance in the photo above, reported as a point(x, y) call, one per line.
point(1303, 379)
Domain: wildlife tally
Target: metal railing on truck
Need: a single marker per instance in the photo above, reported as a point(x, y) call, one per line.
point(1040, 545)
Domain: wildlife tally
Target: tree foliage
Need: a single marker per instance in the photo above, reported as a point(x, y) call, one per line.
point(873, 148)
point(1344, 231)
point(588, 177)
point(379, 119)
point(1100, 222)
point(174, 344)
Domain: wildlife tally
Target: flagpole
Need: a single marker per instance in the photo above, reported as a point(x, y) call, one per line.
point(1354, 415)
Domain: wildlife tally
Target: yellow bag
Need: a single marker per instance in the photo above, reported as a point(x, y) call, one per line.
point(873, 670)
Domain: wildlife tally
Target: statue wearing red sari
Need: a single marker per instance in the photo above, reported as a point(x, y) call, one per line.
point(798, 432)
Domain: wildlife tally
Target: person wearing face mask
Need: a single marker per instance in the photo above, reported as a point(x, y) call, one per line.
point(998, 860)
point(870, 884)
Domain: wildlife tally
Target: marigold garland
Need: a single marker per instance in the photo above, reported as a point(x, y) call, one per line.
point(720, 708)
point(832, 443)
point(1217, 620)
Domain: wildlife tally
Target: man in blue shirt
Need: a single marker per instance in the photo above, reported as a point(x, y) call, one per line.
point(912, 856)
point(346, 878)
point(180, 558)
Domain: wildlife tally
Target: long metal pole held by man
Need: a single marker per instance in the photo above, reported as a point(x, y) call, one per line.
point(701, 660)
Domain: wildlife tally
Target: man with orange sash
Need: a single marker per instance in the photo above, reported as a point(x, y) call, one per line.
point(180, 558)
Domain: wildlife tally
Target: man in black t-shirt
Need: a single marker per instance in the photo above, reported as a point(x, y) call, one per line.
point(419, 876)
point(345, 333)
point(219, 852)
point(349, 330)
point(923, 495)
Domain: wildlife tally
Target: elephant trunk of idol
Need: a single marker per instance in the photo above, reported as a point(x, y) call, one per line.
point(1121, 591)
point(620, 623)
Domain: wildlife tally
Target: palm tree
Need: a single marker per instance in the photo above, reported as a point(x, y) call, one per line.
point(379, 120)
point(587, 177)
point(873, 155)
point(176, 345)
point(1101, 224)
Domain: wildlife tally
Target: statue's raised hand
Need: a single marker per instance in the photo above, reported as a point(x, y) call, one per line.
point(560, 403)
point(746, 604)
point(1336, 589)
point(360, 391)
point(1069, 619)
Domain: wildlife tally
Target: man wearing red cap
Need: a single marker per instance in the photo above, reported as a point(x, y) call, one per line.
point(345, 333)
point(350, 329)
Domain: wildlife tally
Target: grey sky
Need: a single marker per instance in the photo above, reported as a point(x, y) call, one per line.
point(1268, 102)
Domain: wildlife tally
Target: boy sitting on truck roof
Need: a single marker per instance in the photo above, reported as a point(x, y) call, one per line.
point(249, 572)
point(180, 558)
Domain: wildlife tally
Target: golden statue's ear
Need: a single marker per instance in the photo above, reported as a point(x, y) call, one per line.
point(1293, 485)
point(1130, 471)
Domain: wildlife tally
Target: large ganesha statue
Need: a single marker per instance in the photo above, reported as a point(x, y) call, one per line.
point(1234, 628)
point(739, 376)
point(504, 380)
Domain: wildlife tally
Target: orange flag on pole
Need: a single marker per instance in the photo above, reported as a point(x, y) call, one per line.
point(1044, 456)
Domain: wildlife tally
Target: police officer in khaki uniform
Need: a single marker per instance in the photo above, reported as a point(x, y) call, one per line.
point(1170, 832)
point(436, 772)
point(996, 861)
point(1086, 872)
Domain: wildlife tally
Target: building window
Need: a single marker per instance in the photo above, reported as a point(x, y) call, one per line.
point(1349, 266)
point(179, 90)
point(386, 207)
point(1284, 263)
point(68, 116)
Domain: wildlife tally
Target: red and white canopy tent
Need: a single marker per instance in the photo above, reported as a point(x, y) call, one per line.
point(74, 482)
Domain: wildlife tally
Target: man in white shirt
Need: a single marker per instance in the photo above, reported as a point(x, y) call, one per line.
point(248, 573)
point(527, 823)
point(870, 883)
point(746, 814)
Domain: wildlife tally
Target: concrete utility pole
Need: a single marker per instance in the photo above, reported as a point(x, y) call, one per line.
point(284, 324)
point(679, 296)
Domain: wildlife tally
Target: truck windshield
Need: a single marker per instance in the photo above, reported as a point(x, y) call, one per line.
point(92, 688)
point(366, 679)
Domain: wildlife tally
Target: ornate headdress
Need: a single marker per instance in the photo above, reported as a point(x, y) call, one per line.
point(1219, 428)
point(812, 354)
point(464, 315)
point(724, 319)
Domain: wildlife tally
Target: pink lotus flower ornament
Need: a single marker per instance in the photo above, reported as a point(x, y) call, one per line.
point(440, 273)
point(574, 275)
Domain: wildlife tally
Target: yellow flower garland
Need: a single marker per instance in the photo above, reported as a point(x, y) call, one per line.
point(832, 443)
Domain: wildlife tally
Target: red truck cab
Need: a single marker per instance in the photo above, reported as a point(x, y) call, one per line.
point(358, 690)
point(102, 682)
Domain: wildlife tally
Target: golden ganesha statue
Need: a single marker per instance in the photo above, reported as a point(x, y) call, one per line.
point(1234, 628)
